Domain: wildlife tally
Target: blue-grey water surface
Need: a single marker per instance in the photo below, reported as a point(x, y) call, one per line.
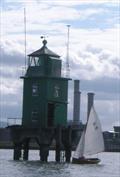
point(109, 166)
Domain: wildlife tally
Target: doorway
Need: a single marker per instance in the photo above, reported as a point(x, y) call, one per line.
point(50, 115)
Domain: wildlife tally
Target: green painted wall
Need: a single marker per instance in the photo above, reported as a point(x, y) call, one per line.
point(34, 103)
point(61, 114)
point(45, 94)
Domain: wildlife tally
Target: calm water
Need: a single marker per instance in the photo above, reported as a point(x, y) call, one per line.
point(109, 166)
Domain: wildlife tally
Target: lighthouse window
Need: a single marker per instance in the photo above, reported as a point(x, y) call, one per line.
point(39, 62)
point(34, 116)
point(35, 90)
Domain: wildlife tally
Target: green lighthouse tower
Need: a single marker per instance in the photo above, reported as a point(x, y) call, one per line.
point(45, 91)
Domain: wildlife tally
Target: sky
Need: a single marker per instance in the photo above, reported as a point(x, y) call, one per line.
point(93, 50)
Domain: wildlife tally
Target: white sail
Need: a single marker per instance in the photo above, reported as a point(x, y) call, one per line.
point(80, 147)
point(94, 142)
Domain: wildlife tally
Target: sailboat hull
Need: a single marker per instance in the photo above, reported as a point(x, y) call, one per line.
point(85, 161)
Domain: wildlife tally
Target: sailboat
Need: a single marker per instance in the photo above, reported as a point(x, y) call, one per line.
point(91, 141)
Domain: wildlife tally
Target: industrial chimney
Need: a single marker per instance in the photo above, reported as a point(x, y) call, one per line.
point(90, 103)
point(76, 108)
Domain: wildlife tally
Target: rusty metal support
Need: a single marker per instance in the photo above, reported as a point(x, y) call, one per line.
point(17, 151)
point(26, 149)
point(58, 143)
point(44, 152)
point(68, 145)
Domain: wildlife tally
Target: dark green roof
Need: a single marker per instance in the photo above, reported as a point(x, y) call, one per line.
point(43, 51)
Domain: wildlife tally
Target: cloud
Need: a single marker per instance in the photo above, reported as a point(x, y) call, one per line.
point(47, 13)
point(59, 2)
point(107, 87)
point(94, 63)
point(51, 19)
point(14, 110)
point(10, 97)
point(108, 112)
point(11, 57)
point(10, 86)
point(77, 2)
